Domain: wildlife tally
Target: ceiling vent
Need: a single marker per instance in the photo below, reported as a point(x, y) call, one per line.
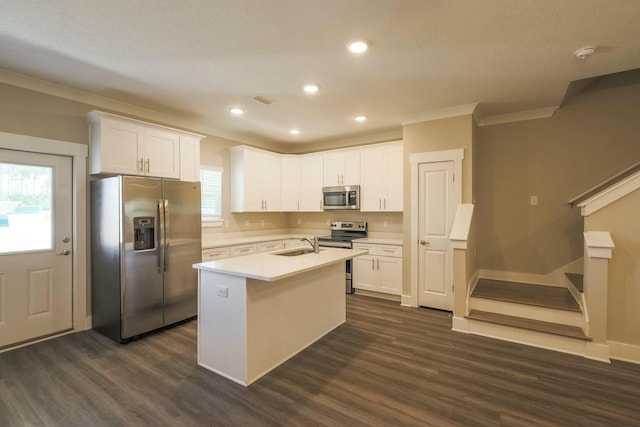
point(263, 99)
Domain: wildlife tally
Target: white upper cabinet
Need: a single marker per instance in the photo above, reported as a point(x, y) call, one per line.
point(342, 167)
point(311, 181)
point(302, 178)
point(161, 153)
point(255, 180)
point(189, 158)
point(381, 178)
point(130, 147)
point(290, 183)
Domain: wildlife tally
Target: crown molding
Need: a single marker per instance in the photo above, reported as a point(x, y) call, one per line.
point(105, 103)
point(442, 113)
point(540, 113)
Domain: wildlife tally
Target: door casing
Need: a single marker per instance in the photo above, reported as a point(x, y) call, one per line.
point(78, 153)
point(415, 159)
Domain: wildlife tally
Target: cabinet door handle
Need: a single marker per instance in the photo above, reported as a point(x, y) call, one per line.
point(378, 263)
point(380, 204)
point(385, 203)
point(141, 165)
point(147, 166)
point(372, 264)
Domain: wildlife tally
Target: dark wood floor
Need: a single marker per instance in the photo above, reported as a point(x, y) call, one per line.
point(521, 293)
point(387, 366)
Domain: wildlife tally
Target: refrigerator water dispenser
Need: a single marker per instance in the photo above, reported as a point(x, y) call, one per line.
point(144, 229)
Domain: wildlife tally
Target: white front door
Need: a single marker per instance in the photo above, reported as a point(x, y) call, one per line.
point(35, 244)
point(435, 217)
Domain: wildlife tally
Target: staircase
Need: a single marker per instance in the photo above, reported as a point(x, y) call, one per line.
point(544, 316)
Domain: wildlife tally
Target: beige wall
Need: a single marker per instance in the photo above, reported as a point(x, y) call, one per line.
point(437, 135)
point(26, 112)
point(591, 138)
point(623, 297)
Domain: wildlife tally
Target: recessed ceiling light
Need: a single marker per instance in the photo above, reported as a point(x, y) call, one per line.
point(295, 131)
point(358, 46)
point(311, 88)
point(236, 111)
point(360, 118)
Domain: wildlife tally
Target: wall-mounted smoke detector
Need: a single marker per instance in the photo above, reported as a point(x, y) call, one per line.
point(585, 52)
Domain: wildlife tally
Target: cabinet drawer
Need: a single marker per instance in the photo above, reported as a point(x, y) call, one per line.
point(215, 254)
point(270, 246)
point(365, 247)
point(389, 250)
point(242, 250)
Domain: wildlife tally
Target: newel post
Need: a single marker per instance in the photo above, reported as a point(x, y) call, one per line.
point(598, 250)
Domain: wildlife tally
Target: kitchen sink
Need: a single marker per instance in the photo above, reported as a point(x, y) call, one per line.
point(295, 252)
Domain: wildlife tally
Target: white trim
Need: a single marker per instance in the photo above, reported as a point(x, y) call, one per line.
point(610, 195)
point(531, 338)
point(79, 154)
point(460, 324)
point(519, 116)
point(437, 156)
point(461, 224)
point(415, 159)
point(625, 352)
point(555, 278)
point(599, 244)
point(442, 113)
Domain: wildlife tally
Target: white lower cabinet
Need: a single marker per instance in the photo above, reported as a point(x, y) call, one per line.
point(270, 246)
point(242, 250)
point(215, 254)
point(380, 270)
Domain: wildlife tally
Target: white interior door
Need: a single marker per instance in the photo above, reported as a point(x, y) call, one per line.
point(35, 244)
point(435, 217)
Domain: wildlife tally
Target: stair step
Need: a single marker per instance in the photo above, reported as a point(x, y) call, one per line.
point(529, 324)
point(577, 280)
point(522, 293)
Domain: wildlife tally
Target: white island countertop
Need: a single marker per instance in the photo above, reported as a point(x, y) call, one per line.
point(270, 267)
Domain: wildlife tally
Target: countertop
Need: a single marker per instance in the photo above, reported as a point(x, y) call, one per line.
point(270, 267)
point(380, 241)
point(220, 243)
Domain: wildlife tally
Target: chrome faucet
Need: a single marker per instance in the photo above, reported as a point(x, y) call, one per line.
point(314, 243)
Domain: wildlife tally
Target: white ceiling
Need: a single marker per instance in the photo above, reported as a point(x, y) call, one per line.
point(193, 59)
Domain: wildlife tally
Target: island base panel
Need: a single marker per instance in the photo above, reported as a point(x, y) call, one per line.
point(260, 325)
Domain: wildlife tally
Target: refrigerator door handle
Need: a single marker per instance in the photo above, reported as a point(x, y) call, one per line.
point(161, 235)
point(165, 231)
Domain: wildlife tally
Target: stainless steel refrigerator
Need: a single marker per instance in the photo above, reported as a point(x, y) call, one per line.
point(145, 237)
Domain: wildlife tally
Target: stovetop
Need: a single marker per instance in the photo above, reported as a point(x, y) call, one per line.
point(346, 231)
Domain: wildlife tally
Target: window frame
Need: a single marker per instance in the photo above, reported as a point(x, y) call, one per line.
point(210, 220)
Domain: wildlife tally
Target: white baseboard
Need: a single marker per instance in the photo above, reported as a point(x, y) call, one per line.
point(624, 352)
point(380, 295)
point(460, 324)
point(407, 301)
point(526, 337)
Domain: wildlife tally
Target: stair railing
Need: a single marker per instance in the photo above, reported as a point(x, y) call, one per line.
point(604, 184)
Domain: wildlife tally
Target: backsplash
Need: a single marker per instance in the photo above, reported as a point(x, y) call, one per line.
point(378, 222)
point(253, 224)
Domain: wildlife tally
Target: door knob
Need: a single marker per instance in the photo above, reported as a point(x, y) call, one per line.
point(66, 240)
point(65, 252)
point(424, 242)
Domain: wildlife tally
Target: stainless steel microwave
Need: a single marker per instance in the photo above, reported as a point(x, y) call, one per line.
point(341, 197)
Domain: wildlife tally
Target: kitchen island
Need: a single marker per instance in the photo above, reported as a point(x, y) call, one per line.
point(257, 311)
